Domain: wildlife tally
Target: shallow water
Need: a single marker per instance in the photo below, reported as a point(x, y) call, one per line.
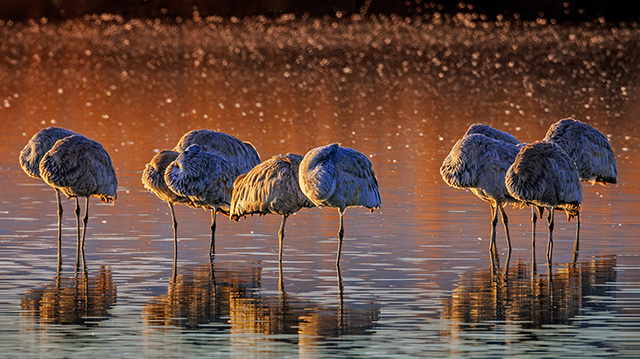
point(415, 277)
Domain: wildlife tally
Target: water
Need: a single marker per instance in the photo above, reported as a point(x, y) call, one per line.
point(415, 276)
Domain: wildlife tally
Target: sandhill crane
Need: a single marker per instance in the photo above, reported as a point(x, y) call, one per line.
point(589, 149)
point(32, 154)
point(544, 175)
point(479, 162)
point(80, 167)
point(241, 154)
point(270, 187)
point(206, 179)
point(338, 177)
point(153, 180)
point(492, 132)
point(509, 138)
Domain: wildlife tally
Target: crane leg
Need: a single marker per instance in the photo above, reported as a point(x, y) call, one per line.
point(494, 221)
point(85, 219)
point(505, 222)
point(280, 279)
point(281, 236)
point(212, 248)
point(534, 219)
point(550, 243)
point(340, 235)
point(60, 210)
point(175, 228)
point(77, 212)
point(576, 244)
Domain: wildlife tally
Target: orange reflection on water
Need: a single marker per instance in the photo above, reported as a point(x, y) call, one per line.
point(82, 299)
point(403, 98)
point(516, 296)
point(234, 299)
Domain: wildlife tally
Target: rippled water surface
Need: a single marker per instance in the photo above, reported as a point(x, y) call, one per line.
point(415, 277)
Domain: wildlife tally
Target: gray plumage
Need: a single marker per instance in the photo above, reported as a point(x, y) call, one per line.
point(492, 132)
point(80, 167)
point(153, 180)
point(338, 177)
point(38, 145)
point(205, 178)
point(270, 187)
point(153, 177)
point(241, 154)
point(590, 151)
point(479, 163)
point(588, 148)
point(544, 175)
point(32, 154)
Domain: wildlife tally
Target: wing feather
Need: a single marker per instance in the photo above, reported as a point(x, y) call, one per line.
point(480, 163)
point(270, 187)
point(204, 177)
point(589, 148)
point(80, 167)
point(38, 146)
point(243, 155)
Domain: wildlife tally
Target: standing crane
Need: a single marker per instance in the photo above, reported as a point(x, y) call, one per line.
point(32, 154)
point(80, 167)
point(153, 180)
point(591, 152)
point(206, 179)
point(479, 162)
point(270, 187)
point(544, 175)
point(338, 177)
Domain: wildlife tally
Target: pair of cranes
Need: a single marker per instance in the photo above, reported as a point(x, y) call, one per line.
point(500, 170)
point(210, 170)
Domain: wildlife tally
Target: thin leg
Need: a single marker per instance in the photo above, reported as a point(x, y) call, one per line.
point(494, 221)
point(340, 301)
point(59, 258)
point(493, 260)
point(534, 219)
point(576, 245)
point(281, 236)
point(175, 228)
point(78, 263)
point(77, 212)
point(505, 273)
point(85, 219)
point(550, 243)
point(212, 248)
point(340, 235)
point(280, 278)
point(60, 210)
point(505, 222)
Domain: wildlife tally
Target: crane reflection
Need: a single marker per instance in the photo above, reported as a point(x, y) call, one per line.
point(82, 299)
point(518, 296)
point(232, 298)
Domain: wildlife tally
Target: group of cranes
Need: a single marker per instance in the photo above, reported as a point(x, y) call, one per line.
point(499, 169)
point(220, 173)
point(210, 170)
